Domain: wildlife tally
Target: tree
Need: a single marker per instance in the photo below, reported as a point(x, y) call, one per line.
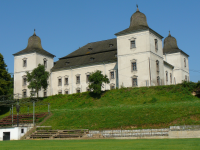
point(5, 77)
point(38, 79)
point(96, 80)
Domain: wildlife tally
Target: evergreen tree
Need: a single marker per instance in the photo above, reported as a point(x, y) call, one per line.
point(96, 80)
point(38, 79)
point(5, 77)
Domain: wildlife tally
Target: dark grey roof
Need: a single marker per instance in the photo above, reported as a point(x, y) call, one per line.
point(91, 53)
point(88, 59)
point(170, 45)
point(94, 47)
point(34, 45)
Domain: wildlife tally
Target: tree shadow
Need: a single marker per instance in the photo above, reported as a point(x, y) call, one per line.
point(4, 110)
point(97, 96)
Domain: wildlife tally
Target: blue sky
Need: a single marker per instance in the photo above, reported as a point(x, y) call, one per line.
point(66, 25)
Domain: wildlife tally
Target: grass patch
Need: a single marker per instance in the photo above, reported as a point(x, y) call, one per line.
point(108, 144)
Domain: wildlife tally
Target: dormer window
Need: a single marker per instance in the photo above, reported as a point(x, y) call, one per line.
point(110, 45)
point(67, 63)
point(25, 62)
point(91, 59)
point(133, 44)
point(45, 62)
point(89, 48)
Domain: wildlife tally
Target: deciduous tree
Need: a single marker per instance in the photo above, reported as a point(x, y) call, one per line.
point(5, 77)
point(38, 79)
point(96, 80)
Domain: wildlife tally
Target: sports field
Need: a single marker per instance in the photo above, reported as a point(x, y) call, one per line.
point(102, 144)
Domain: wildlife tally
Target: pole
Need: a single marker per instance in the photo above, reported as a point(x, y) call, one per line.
point(33, 113)
point(18, 113)
point(12, 115)
point(48, 107)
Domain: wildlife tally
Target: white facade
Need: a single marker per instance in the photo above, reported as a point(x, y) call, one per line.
point(141, 61)
point(15, 132)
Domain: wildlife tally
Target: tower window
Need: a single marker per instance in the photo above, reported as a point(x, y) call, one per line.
point(24, 63)
point(91, 59)
point(185, 78)
point(184, 62)
point(134, 82)
point(158, 80)
point(45, 93)
point(24, 93)
point(156, 44)
point(157, 65)
point(170, 78)
point(133, 44)
point(134, 66)
point(45, 62)
point(112, 75)
point(110, 45)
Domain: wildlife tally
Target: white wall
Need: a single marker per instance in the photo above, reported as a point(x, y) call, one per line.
point(15, 132)
point(33, 60)
point(82, 71)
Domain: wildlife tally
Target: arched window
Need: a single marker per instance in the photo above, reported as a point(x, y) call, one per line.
point(170, 78)
point(157, 65)
point(45, 62)
point(158, 80)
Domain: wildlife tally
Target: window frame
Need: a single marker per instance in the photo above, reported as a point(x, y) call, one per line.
point(157, 66)
point(156, 44)
point(24, 91)
point(78, 79)
point(134, 67)
point(59, 81)
point(185, 62)
point(112, 75)
point(45, 63)
point(133, 43)
point(24, 62)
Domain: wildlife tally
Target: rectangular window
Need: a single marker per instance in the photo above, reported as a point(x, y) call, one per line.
point(166, 76)
point(45, 94)
point(157, 65)
point(134, 66)
point(22, 130)
point(60, 92)
point(24, 94)
point(78, 91)
point(24, 63)
point(156, 44)
point(170, 78)
point(112, 75)
point(66, 81)
point(185, 78)
point(45, 63)
point(87, 78)
point(24, 81)
point(112, 87)
point(66, 92)
point(158, 80)
point(134, 82)
point(77, 79)
point(184, 62)
point(59, 82)
point(133, 44)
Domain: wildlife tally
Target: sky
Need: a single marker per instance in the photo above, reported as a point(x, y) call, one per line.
point(66, 25)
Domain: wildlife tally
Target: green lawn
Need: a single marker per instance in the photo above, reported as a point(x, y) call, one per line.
point(108, 144)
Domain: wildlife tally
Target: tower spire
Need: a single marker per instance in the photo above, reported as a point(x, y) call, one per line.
point(169, 34)
point(137, 7)
point(34, 33)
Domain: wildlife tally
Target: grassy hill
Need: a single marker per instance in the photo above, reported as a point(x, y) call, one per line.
point(126, 108)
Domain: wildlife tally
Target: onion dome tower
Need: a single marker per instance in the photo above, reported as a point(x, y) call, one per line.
point(138, 21)
point(34, 45)
point(170, 45)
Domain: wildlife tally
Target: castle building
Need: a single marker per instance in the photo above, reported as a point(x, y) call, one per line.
point(135, 58)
